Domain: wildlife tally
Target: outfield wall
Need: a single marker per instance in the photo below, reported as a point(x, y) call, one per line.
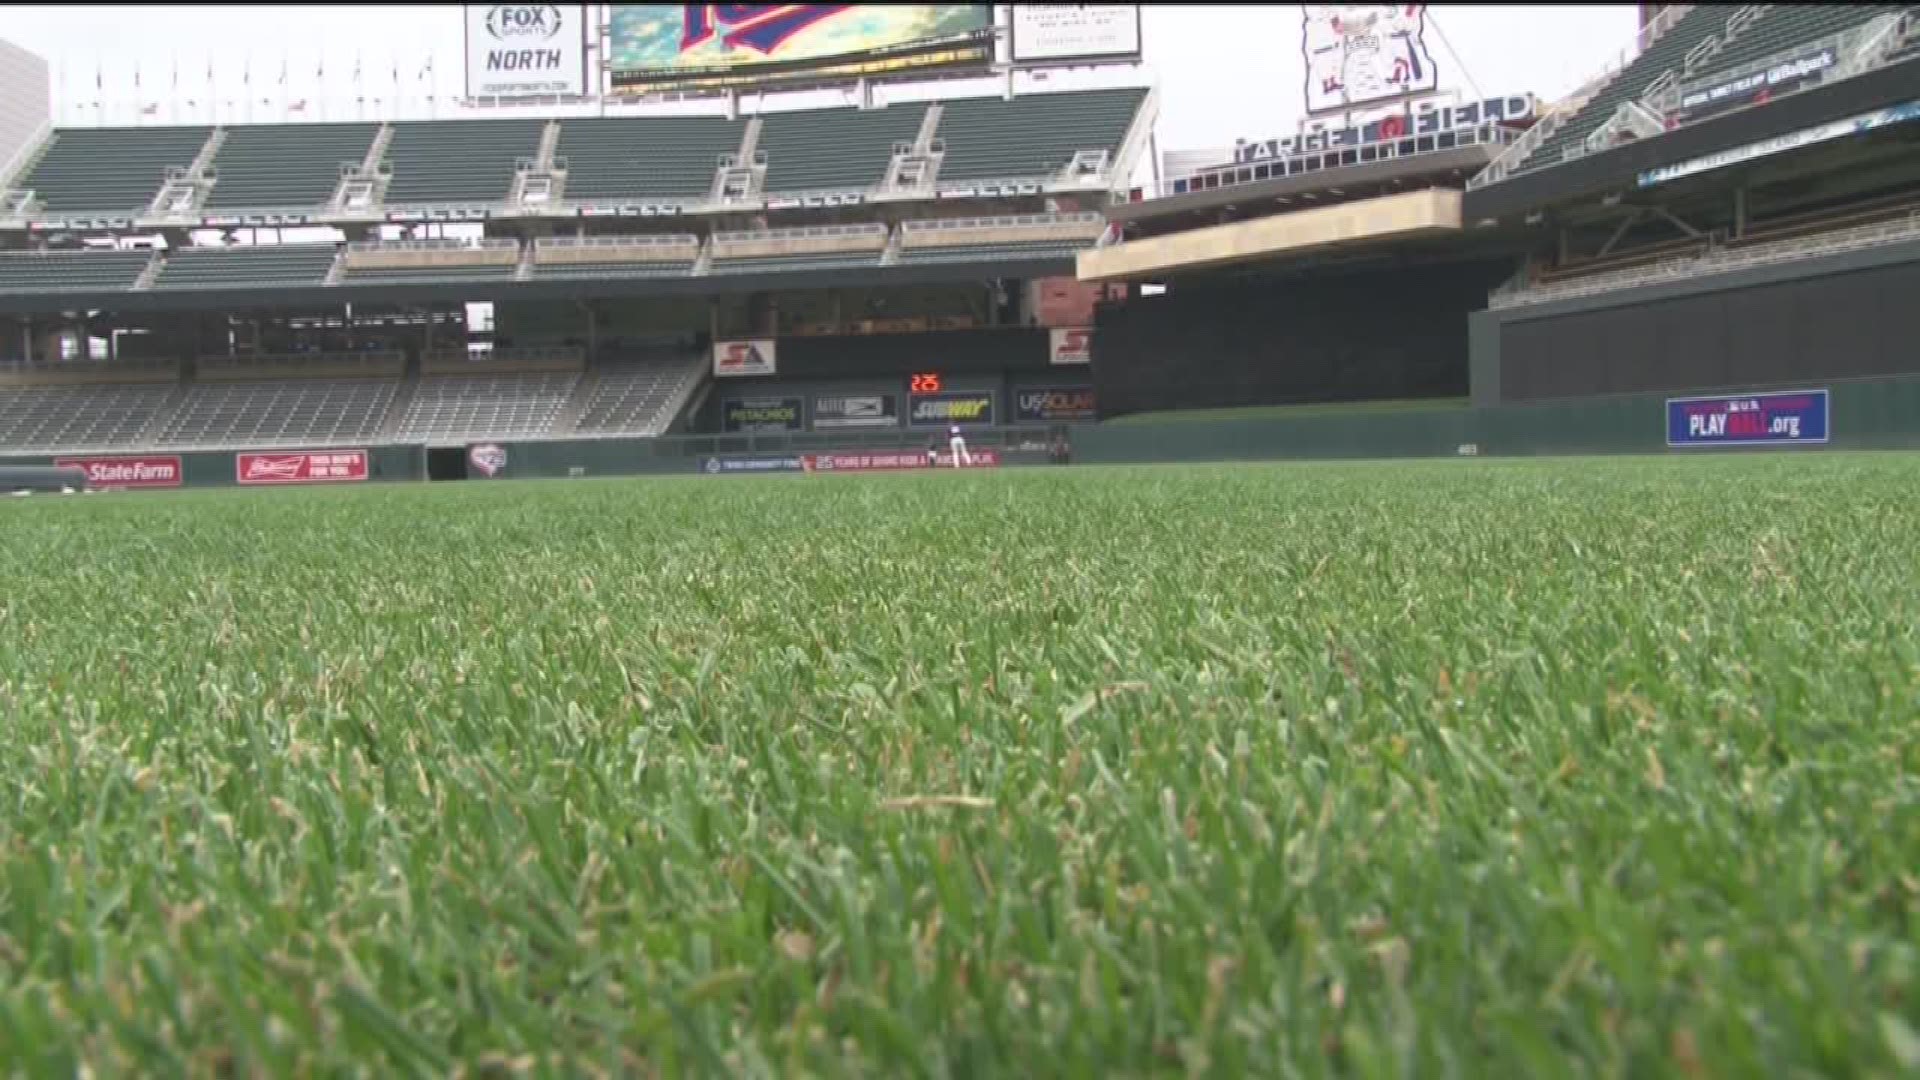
point(1864, 414)
point(1848, 315)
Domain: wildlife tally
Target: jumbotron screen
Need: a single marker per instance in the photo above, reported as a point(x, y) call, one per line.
point(682, 46)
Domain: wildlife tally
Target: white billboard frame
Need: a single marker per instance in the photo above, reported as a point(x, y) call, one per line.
point(487, 29)
point(1119, 53)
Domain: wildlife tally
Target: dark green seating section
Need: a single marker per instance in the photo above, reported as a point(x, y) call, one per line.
point(1631, 82)
point(70, 271)
point(595, 271)
point(276, 166)
point(114, 171)
point(835, 149)
point(988, 253)
point(990, 138)
point(428, 275)
point(458, 161)
point(1785, 27)
point(265, 267)
point(640, 158)
point(790, 264)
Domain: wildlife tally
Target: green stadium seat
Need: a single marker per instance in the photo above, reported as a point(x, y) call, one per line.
point(639, 158)
point(115, 171)
point(278, 166)
point(265, 266)
point(835, 149)
point(458, 161)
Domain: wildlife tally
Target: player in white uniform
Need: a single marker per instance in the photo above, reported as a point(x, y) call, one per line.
point(957, 443)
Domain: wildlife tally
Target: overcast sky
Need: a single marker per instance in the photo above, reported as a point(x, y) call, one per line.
point(1224, 71)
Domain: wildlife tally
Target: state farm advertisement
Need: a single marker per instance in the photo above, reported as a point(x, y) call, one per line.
point(125, 472)
point(896, 461)
point(302, 467)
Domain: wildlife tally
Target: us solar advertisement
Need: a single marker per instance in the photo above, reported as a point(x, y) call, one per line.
point(1748, 420)
point(710, 46)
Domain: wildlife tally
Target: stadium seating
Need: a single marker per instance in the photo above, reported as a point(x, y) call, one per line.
point(638, 158)
point(110, 170)
point(77, 417)
point(636, 398)
point(1669, 53)
point(70, 271)
point(596, 271)
point(1784, 27)
point(1031, 136)
point(789, 264)
point(427, 275)
point(285, 412)
point(285, 165)
point(455, 408)
point(834, 149)
point(984, 253)
point(266, 266)
point(458, 161)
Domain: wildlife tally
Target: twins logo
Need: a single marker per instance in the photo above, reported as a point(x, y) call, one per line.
point(759, 27)
point(489, 458)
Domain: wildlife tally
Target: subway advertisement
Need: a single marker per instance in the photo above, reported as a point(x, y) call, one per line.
point(710, 46)
point(941, 410)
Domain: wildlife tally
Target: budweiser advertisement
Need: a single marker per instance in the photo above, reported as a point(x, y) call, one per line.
point(301, 467)
point(125, 472)
point(895, 461)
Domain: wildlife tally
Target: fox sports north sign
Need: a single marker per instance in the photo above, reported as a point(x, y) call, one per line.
point(526, 50)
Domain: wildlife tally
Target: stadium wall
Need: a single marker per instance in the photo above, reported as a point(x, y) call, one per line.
point(1845, 316)
point(1359, 337)
point(1866, 414)
point(221, 468)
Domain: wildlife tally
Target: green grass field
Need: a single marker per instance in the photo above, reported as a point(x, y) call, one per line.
point(1449, 769)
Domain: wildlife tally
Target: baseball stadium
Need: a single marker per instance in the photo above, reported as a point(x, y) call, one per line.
point(767, 540)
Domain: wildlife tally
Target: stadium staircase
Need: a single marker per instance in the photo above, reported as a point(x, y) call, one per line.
point(164, 412)
point(154, 267)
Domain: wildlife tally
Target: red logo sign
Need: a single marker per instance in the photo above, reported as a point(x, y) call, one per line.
point(303, 467)
point(125, 472)
point(895, 461)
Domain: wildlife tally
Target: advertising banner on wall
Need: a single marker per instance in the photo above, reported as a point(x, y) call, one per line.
point(300, 467)
point(897, 461)
point(1070, 345)
point(487, 459)
point(1752, 419)
point(940, 410)
point(1753, 88)
point(744, 466)
point(762, 414)
point(526, 50)
point(1053, 405)
point(1047, 33)
point(856, 411)
point(732, 359)
point(658, 46)
point(1362, 53)
point(150, 471)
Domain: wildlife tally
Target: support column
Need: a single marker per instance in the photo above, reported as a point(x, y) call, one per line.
point(1740, 212)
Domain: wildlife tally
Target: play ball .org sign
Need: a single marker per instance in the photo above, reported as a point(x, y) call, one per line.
point(487, 459)
point(1784, 419)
